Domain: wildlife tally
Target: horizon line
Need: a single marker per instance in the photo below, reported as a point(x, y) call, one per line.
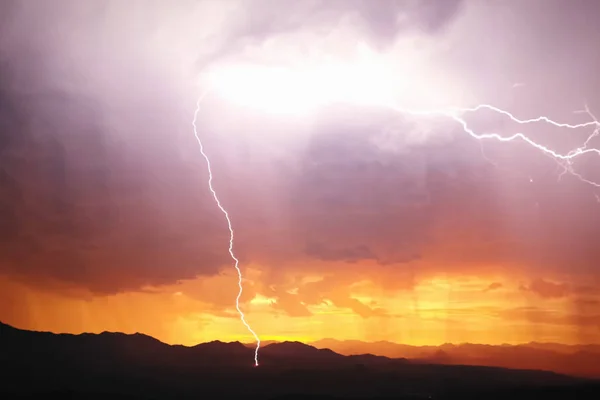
point(311, 342)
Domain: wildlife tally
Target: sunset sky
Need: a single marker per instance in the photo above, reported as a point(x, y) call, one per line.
point(351, 222)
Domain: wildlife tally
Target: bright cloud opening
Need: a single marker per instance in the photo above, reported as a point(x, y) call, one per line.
point(370, 80)
point(287, 90)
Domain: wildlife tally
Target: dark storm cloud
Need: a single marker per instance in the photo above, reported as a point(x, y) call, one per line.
point(362, 204)
point(84, 204)
point(95, 189)
point(102, 184)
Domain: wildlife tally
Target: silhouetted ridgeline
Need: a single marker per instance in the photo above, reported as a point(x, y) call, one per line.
point(576, 360)
point(115, 365)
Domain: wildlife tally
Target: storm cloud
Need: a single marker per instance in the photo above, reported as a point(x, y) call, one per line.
point(102, 185)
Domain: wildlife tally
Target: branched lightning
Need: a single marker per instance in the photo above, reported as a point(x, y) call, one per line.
point(568, 167)
point(564, 160)
point(236, 261)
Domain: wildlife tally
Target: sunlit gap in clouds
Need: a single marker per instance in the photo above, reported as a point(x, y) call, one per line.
point(302, 87)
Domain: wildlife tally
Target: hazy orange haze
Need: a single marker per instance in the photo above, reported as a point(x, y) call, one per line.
point(435, 311)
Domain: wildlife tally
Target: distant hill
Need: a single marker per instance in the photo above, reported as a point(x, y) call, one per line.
point(116, 365)
point(577, 360)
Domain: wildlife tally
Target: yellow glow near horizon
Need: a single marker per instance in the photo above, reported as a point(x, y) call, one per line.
point(435, 311)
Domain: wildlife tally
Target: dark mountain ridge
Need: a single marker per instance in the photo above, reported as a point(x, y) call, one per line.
point(577, 360)
point(119, 365)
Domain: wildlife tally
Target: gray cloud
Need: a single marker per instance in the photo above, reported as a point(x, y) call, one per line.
point(378, 23)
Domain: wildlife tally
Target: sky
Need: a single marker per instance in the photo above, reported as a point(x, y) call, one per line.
point(351, 221)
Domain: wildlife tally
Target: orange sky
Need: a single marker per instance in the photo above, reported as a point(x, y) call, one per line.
point(436, 310)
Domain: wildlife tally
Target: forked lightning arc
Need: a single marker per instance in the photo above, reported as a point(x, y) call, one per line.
point(455, 114)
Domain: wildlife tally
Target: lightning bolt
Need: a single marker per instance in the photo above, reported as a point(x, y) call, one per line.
point(564, 160)
point(568, 167)
point(236, 261)
point(456, 114)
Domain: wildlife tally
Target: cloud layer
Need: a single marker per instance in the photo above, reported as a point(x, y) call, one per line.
point(102, 185)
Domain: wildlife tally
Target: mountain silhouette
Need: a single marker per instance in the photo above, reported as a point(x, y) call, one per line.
point(117, 365)
point(577, 360)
